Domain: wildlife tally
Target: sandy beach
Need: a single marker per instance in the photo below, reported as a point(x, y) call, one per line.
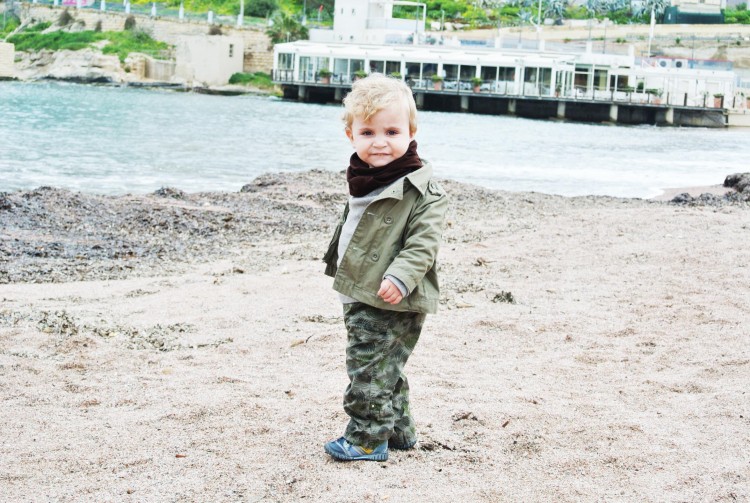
point(187, 347)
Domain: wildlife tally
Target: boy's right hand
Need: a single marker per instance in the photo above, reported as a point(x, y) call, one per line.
point(389, 292)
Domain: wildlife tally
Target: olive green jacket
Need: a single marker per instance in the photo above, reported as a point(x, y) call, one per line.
point(399, 235)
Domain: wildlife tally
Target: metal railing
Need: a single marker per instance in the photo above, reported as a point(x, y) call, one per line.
point(162, 10)
point(499, 88)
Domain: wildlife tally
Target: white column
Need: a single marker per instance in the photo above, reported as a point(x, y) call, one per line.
point(210, 17)
point(181, 14)
point(103, 6)
point(153, 9)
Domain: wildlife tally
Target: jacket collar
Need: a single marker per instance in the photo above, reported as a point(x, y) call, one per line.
point(419, 179)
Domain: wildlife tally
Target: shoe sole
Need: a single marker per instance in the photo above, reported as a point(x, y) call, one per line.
point(363, 457)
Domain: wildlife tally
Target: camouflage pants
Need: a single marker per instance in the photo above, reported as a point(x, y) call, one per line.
point(377, 399)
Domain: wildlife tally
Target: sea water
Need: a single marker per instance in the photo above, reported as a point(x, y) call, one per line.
point(116, 140)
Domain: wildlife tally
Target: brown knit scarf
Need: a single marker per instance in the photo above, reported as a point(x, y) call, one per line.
point(363, 179)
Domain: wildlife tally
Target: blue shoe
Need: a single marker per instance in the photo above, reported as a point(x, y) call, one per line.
point(342, 450)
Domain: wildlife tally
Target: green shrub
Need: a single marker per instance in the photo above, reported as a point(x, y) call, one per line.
point(258, 79)
point(39, 27)
point(261, 8)
point(121, 43)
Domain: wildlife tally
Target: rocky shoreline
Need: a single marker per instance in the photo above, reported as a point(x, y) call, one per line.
point(55, 235)
point(90, 66)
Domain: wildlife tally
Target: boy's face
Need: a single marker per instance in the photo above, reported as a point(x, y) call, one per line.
point(383, 138)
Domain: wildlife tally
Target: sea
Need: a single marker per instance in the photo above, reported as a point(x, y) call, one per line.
point(118, 140)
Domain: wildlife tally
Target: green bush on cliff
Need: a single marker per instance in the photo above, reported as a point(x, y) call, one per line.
point(121, 43)
point(11, 23)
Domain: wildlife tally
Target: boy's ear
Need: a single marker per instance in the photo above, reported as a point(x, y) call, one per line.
point(349, 134)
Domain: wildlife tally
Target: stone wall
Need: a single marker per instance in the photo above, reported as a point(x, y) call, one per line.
point(258, 51)
point(7, 56)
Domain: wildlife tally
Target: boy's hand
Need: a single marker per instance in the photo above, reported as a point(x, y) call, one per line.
point(389, 292)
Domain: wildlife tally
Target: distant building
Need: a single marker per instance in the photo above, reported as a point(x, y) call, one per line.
point(366, 39)
point(209, 59)
point(695, 12)
point(7, 60)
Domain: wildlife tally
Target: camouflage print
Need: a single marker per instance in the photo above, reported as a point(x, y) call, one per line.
point(377, 398)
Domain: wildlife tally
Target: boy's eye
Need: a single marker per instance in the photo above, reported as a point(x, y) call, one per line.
point(366, 133)
point(392, 132)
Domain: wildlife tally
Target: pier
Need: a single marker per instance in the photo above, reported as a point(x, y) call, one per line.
point(631, 108)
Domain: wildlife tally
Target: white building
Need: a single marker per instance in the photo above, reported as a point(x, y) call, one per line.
point(209, 59)
point(359, 46)
point(7, 60)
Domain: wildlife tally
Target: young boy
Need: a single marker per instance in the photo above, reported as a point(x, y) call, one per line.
point(383, 260)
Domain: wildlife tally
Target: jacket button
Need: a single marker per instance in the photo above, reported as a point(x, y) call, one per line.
point(375, 256)
point(389, 220)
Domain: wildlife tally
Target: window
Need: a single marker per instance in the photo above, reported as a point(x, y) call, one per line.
point(392, 67)
point(340, 68)
point(377, 66)
point(428, 70)
point(450, 72)
point(413, 71)
point(356, 65)
point(488, 73)
point(286, 61)
point(305, 68)
point(468, 72)
point(600, 80)
point(507, 73)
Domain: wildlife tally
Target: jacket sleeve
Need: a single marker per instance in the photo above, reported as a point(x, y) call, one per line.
point(331, 256)
point(422, 238)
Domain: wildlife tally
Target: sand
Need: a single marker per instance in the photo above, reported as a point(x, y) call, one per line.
point(619, 372)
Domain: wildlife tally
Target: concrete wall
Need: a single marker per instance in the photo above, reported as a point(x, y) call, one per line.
point(7, 57)
point(257, 45)
point(209, 59)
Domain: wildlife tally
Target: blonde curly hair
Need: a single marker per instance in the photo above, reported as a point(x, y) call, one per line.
point(374, 93)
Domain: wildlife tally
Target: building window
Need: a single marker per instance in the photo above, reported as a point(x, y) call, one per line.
point(286, 61)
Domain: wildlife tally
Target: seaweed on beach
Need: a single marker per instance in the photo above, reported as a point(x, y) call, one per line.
point(56, 235)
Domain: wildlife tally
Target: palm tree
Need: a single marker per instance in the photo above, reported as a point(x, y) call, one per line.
point(284, 28)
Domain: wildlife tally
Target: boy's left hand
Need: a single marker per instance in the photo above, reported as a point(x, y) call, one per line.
point(389, 292)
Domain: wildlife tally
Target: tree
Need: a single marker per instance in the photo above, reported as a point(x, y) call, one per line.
point(261, 8)
point(556, 10)
point(284, 28)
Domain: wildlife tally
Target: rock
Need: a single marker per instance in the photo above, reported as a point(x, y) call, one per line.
point(709, 199)
point(170, 192)
point(683, 198)
point(86, 66)
point(738, 181)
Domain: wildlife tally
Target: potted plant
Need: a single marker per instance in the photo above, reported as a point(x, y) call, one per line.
point(656, 93)
point(395, 75)
point(476, 82)
point(360, 74)
point(325, 75)
point(437, 82)
point(718, 100)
